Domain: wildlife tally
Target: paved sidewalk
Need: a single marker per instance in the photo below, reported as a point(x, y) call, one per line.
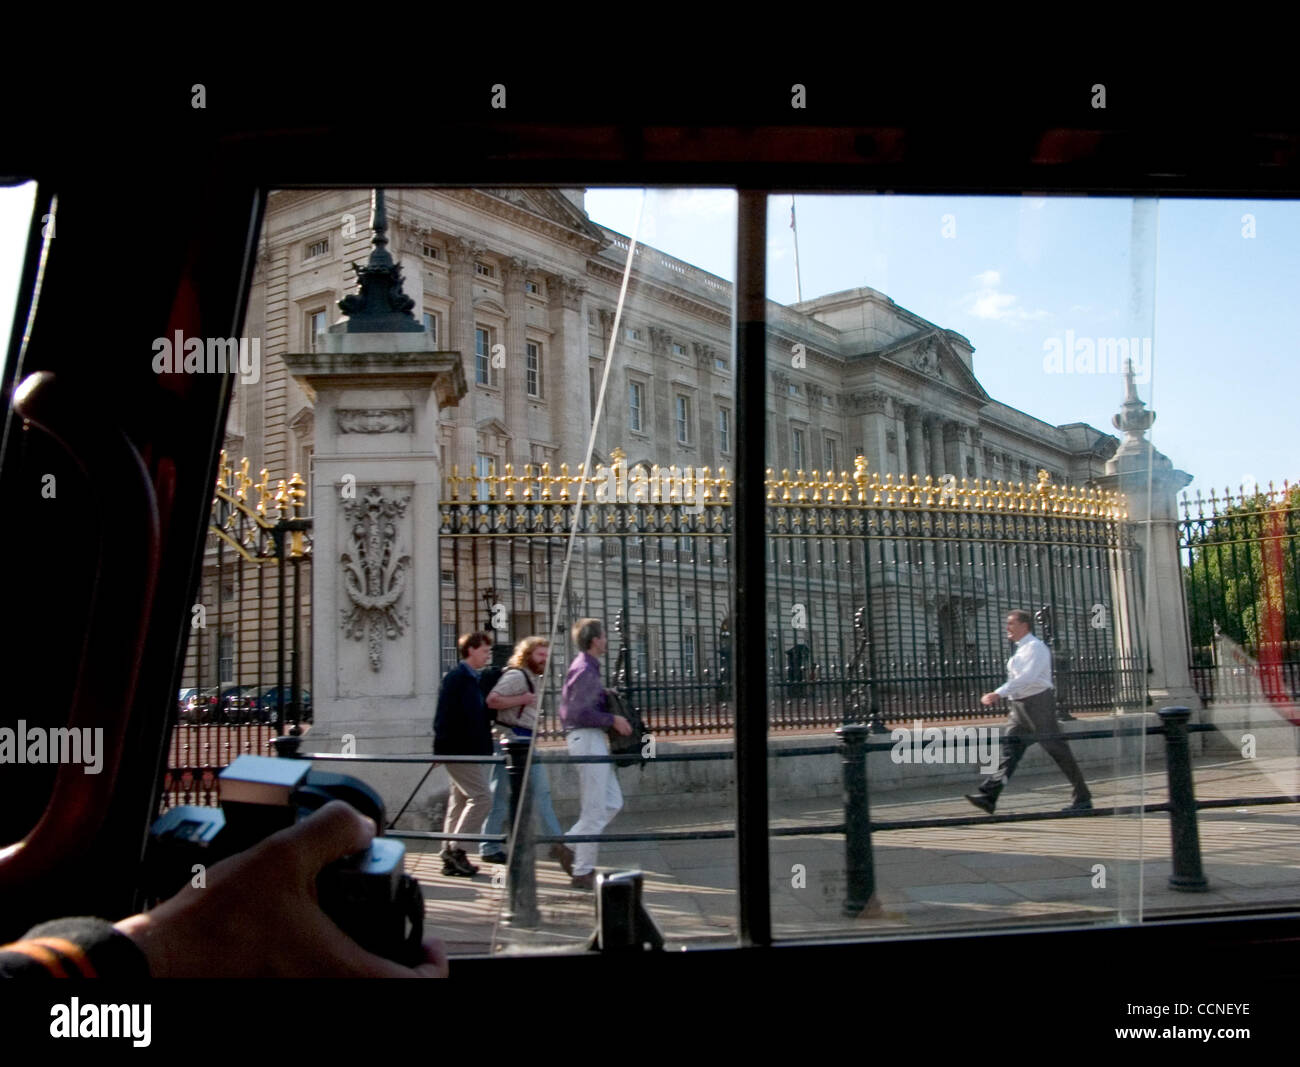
point(928, 880)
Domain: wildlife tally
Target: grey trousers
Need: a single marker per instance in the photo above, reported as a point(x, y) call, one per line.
point(1034, 719)
point(468, 802)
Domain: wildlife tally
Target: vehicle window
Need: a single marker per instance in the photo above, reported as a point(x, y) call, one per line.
point(990, 365)
point(959, 425)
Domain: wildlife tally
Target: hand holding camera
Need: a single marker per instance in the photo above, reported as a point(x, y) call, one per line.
point(287, 890)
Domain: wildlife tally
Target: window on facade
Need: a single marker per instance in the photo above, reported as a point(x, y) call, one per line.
point(431, 252)
point(450, 657)
point(721, 363)
point(316, 248)
point(448, 577)
point(832, 456)
point(485, 270)
point(724, 430)
point(683, 420)
point(634, 406)
point(796, 449)
point(792, 389)
point(678, 350)
point(431, 325)
point(486, 468)
point(316, 325)
point(533, 287)
point(226, 657)
point(534, 368)
point(484, 372)
point(688, 655)
point(632, 333)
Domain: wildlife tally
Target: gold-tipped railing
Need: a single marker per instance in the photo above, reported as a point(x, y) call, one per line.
point(616, 483)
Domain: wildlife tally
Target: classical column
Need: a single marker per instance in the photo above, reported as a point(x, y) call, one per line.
point(780, 424)
point(569, 392)
point(912, 419)
point(977, 450)
point(514, 375)
point(460, 332)
point(875, 429)
point(934, 427)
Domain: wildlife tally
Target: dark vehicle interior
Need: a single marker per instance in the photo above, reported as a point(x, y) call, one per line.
point(157, 228)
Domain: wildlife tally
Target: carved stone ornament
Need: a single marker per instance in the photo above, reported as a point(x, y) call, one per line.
point(659, 340)
point(780, 380)
point(375, 420)
point(571, 292)
point(374, 571)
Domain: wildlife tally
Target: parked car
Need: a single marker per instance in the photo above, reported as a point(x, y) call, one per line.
point(238, 703)
point(271, 699)
point(184, 707)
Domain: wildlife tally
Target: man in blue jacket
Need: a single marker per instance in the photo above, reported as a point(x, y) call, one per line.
point(462, 726)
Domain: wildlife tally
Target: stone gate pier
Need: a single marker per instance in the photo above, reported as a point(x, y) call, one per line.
point(378, 384)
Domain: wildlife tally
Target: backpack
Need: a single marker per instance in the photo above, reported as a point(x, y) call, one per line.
point(487, 681)
point(627, 749)
point(514, 712)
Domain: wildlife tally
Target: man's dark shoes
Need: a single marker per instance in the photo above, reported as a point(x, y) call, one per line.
point(584, 881)
point(493, 857)
point(1081, 805)
point(563, 855)
point(456, 864)
point(983, 801)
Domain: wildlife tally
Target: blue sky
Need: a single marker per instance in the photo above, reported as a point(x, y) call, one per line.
point(1025, 277)
point(1017, 275)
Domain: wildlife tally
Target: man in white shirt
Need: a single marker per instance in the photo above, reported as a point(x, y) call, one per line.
point(1033, 717)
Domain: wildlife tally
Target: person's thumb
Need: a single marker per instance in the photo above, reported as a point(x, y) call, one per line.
point(335, 831)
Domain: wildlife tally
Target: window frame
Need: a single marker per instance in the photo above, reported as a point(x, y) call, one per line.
point(682, 419)
point(533, 380)
point(637, 424)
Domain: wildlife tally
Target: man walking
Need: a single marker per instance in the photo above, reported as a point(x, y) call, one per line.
point(585, 720)
point(1033, 716)
point(462, 727)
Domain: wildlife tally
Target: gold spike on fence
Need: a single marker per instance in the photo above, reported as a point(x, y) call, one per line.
point(616, 482)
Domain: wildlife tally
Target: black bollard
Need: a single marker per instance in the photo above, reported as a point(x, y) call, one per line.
point(522, 875)
point(1187, 875)
point(858, 863)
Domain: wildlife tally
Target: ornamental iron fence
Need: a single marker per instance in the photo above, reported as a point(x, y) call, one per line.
point(1241, 578)
point(886, 600)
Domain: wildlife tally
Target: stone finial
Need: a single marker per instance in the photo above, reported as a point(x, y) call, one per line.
point(1134, 417)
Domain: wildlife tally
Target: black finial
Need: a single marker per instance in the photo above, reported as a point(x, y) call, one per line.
point(381, 306)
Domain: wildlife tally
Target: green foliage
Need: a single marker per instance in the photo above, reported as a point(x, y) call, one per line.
point(1242, 571)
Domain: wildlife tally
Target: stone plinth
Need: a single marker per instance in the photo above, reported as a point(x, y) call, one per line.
point(375, 574)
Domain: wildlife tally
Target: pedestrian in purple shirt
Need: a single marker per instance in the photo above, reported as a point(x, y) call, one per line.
point(585, 720)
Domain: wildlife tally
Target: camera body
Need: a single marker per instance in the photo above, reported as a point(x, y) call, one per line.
point(368, 894)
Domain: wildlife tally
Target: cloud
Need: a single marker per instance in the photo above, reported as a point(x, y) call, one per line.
point(693, 203)
point(989, 301)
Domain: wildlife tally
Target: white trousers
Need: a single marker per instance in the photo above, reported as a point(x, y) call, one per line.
point(601, 797)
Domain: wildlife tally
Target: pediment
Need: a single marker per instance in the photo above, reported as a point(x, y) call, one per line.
point(929, 354)
point(495, 426)
point(484, 303)
point(551, 206)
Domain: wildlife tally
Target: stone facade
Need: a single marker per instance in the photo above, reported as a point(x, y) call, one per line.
point(524, 285)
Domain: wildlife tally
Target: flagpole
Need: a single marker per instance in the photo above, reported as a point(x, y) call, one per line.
point(798, 287)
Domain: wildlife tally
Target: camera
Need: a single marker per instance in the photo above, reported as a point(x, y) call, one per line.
point(368, 894)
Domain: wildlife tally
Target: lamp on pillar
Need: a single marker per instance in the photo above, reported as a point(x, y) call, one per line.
point(489, 599)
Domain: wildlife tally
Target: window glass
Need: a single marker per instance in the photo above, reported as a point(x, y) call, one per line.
point(994, 376)
point(651, 560)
